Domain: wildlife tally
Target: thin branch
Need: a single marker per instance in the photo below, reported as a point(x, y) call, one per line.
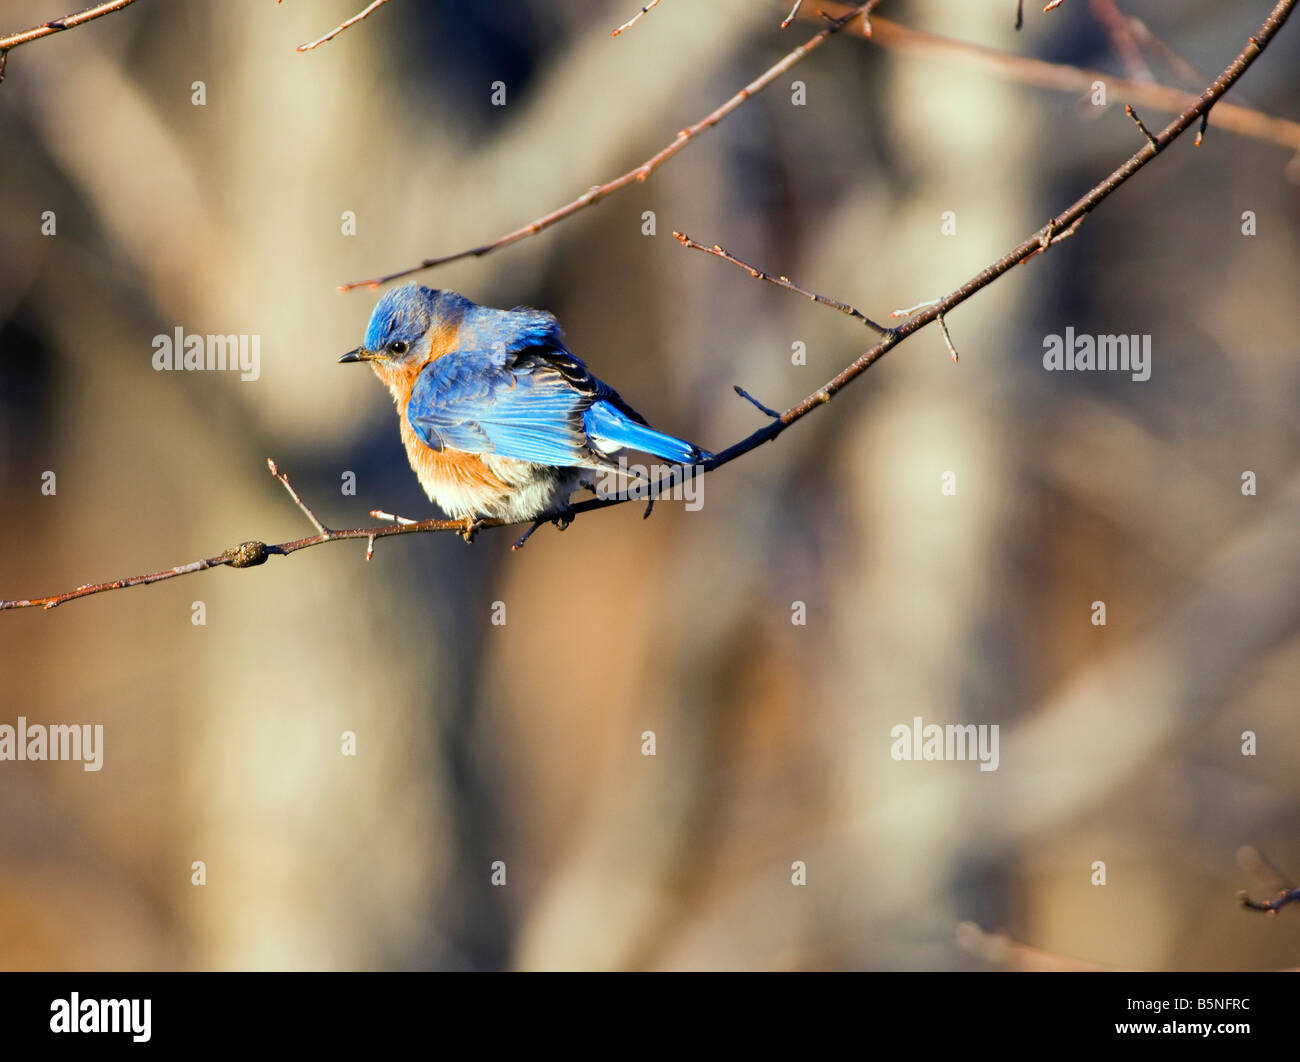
point(1122, 38)
point(794, 13)
point(636, 18)
point(1142, 125)
point(908, 311)
point(249, 554)
point(1073, 80)
point(1166, 55)
point(56, 25)
point(1250, 859)
point(1271, 906)
point(340, 27)
point(640, 173)
point(303, 505)
point(943, 325)
point(379, 514)
point(756, 403)
point(866, 9)
point(1057, 229)
point(947, 338)
point(1020, 10)
point(782, 282)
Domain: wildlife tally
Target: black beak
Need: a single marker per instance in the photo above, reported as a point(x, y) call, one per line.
point(360, 354)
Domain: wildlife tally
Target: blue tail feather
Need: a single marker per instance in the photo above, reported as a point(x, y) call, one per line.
point(611, 429)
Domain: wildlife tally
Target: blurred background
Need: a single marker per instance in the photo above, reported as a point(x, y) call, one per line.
point(522, 743)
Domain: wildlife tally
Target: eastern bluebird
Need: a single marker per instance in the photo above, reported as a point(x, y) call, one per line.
point(498, 419)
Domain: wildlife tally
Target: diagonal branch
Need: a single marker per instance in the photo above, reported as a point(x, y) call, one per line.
point(640, 173)
point(636, 18)
point(249, 554)
point(1075, 80)
point(1167, 57)
point(1122, 39)
point(782, 282)
point(56, 25)
point(340, 27)
point(1054, 231)
point(1270, 878)
point(1271, 906)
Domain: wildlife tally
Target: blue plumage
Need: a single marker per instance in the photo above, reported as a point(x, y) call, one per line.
point(604, 422)
point(499, 419)
point(512, 388)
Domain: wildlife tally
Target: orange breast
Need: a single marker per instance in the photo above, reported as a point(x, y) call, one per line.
point(442, 471)
point(439, 470)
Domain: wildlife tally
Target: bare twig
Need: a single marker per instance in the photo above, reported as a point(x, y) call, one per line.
point(1020, 10)
point(1063, 224)
point(1271, 906)
point(1142, 125)
point(340, 27)
point(1166, 55)
point(908, 311)
point(253, 553)
point(298, 501)
point(1122, 38)
point(756, 403)
point(1252, 861)
point(1074, 80)
point(636, 18)
point(248, 554)
point(639, 173)
point(56, 25)
point(866, 9)
point(1050, 238)
point(782, 282)
point(947, 338)
point(379, 514)
point(943, 325)
point(794, 13)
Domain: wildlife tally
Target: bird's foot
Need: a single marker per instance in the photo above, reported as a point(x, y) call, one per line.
point(472, 527)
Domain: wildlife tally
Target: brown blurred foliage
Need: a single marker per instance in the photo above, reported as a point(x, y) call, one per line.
point(523, 742)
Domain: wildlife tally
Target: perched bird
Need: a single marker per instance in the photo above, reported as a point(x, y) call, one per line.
point(498, 419)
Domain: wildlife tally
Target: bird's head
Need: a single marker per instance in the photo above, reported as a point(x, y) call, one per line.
point(405, 325)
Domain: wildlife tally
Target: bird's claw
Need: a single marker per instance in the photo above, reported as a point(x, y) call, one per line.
point(472, 527)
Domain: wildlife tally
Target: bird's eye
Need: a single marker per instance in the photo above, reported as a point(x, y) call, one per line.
point(399, 346)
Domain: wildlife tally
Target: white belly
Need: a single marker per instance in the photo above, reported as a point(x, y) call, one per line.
point(533, 491)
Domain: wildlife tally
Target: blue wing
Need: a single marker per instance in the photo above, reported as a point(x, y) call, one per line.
point(528, 405)
point(519, 393)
